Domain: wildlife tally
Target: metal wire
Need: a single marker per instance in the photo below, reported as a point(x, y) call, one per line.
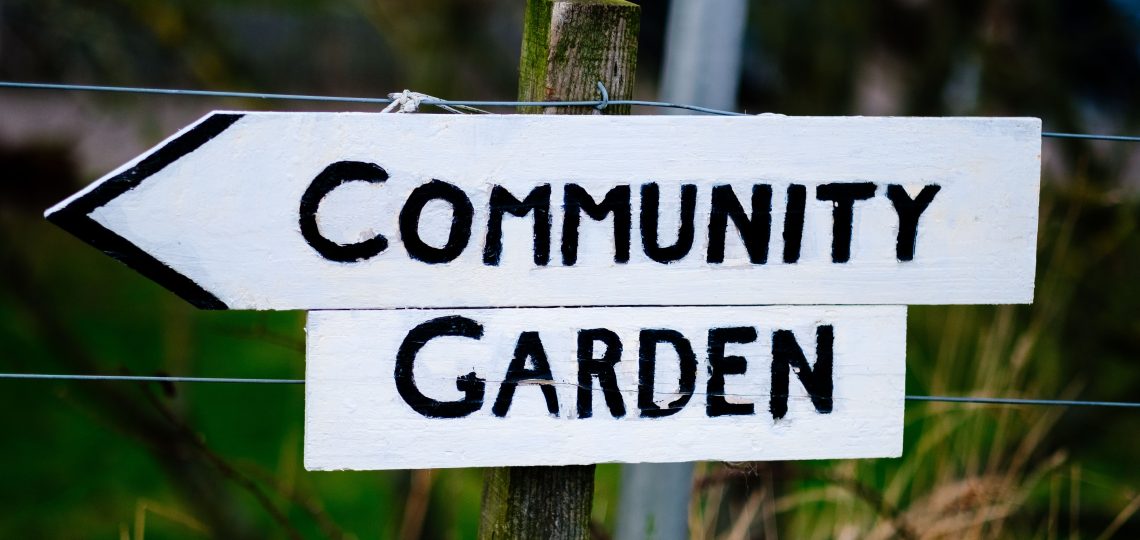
point(232, 380)
point(350, 99)
point(1093, 136)
point(145, 378)
point(180, 92)
point(1023, 401)
point(600, 103)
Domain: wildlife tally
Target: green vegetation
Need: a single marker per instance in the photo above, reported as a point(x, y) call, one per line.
point(194, 461)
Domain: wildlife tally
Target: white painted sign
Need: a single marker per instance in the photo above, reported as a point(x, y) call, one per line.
point(359, 211)
point(466, 388)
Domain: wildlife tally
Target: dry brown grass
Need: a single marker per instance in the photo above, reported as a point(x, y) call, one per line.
point(968, 471)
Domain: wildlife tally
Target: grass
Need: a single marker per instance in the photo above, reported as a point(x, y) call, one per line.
point(974, 471)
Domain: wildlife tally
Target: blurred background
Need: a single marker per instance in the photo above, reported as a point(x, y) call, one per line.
point(127, 460)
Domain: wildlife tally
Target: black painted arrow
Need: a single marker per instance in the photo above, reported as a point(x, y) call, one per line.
point(74, 215)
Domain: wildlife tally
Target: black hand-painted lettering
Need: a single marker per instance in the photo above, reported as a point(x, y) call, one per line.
point(460, 233)
point(755, 231)
point(502, 202)
point(329, 179)
point(647, 363)
point(602, 368)
point(577, 200)
point(844, 195)
point(816, 380)
point(470, 384)
point(794, 222)
point(528, 346)
point(721, 365)
point(650, 213)
point(909, 210)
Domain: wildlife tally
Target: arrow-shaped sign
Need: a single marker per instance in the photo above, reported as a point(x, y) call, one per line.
point(75, 214)
point(357, 211)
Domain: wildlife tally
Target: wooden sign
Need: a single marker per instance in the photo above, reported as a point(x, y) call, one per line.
point(551, 386)
point(584, 289)
point(360, 211)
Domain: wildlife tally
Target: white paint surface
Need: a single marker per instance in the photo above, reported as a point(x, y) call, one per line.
point(226, 215)
point(355, 418)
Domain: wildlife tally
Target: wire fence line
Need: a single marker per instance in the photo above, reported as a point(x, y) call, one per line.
point(233, 380)
point(145, 378)
point(428, 100)
point(599, 103)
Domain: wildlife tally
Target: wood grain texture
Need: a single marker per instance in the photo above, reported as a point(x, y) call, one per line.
point(356, 418)
point(569, 46)
point(534, 502)
point(225, 215)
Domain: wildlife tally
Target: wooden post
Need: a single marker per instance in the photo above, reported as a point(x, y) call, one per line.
point(568, 47)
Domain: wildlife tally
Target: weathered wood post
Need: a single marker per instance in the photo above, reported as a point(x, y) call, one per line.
point(568, 47)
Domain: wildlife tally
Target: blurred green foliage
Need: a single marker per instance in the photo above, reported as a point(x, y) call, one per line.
point(186, 461)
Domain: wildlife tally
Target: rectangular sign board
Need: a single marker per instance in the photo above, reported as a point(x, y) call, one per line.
point(414, 389)
point(365, 211)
